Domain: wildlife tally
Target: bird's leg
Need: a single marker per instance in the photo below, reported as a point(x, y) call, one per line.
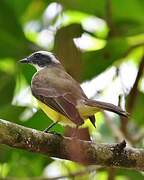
point(50, 126)
point(75, 132)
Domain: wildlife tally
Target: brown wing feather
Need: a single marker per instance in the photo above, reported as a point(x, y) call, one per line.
point(60, 104)
point(70, 110)
point(51, 103)
point(57, 89)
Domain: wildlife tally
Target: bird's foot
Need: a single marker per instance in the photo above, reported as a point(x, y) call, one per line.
point(55, 133)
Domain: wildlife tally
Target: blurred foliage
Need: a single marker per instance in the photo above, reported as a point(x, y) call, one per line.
point(89, 37)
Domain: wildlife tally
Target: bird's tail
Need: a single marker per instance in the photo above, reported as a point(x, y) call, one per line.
point(98, 105)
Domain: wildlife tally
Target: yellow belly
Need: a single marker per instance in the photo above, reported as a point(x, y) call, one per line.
point(55, 116)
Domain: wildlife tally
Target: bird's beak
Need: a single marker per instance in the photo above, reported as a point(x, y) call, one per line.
point(25, 60)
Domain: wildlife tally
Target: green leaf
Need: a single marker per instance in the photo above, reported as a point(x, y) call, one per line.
point(129, 27)
point(13, 42)
point(130, 174)
point(34, 10)
point(137, 114)
point(23, 163)
point(12, 46)
point(11, 113)
point(8, 20)
point(28, 71)
point(7, 87)
point(124, 13)
point(41, 121)
point(93, 7)
point(27, 164)
point(18, 6)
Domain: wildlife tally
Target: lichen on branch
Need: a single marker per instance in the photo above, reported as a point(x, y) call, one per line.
point(85, 152)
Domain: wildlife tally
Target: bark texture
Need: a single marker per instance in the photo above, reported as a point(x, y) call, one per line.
point(85, 152)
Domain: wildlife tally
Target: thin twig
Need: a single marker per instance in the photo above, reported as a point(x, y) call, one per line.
point(134, 91)
point(132, 99)
point(111, 173)
point(117, 133)
point(108, 18)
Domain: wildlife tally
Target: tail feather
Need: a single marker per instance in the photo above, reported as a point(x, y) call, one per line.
point(106, 106)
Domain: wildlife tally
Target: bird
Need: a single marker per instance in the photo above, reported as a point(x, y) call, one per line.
point(60, 96)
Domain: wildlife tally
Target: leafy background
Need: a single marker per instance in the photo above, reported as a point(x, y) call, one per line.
point(101, 44)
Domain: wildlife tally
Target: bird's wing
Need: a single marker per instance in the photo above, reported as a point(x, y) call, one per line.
point(63, 103)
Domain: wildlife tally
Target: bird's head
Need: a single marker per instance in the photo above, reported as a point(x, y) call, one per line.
point(40, 59)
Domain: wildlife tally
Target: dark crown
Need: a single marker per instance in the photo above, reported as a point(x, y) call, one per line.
point(42, 58)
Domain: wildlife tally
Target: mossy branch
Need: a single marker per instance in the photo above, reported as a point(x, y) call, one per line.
point(85, 152)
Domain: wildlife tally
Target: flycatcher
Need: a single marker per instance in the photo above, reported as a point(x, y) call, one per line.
point(59, 95)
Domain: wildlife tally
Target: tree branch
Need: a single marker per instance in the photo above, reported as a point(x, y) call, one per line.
point(132, 99)
point(134, 91)
point(85, 152)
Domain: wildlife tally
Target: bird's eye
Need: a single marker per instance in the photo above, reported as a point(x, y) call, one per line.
point(37, 55)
